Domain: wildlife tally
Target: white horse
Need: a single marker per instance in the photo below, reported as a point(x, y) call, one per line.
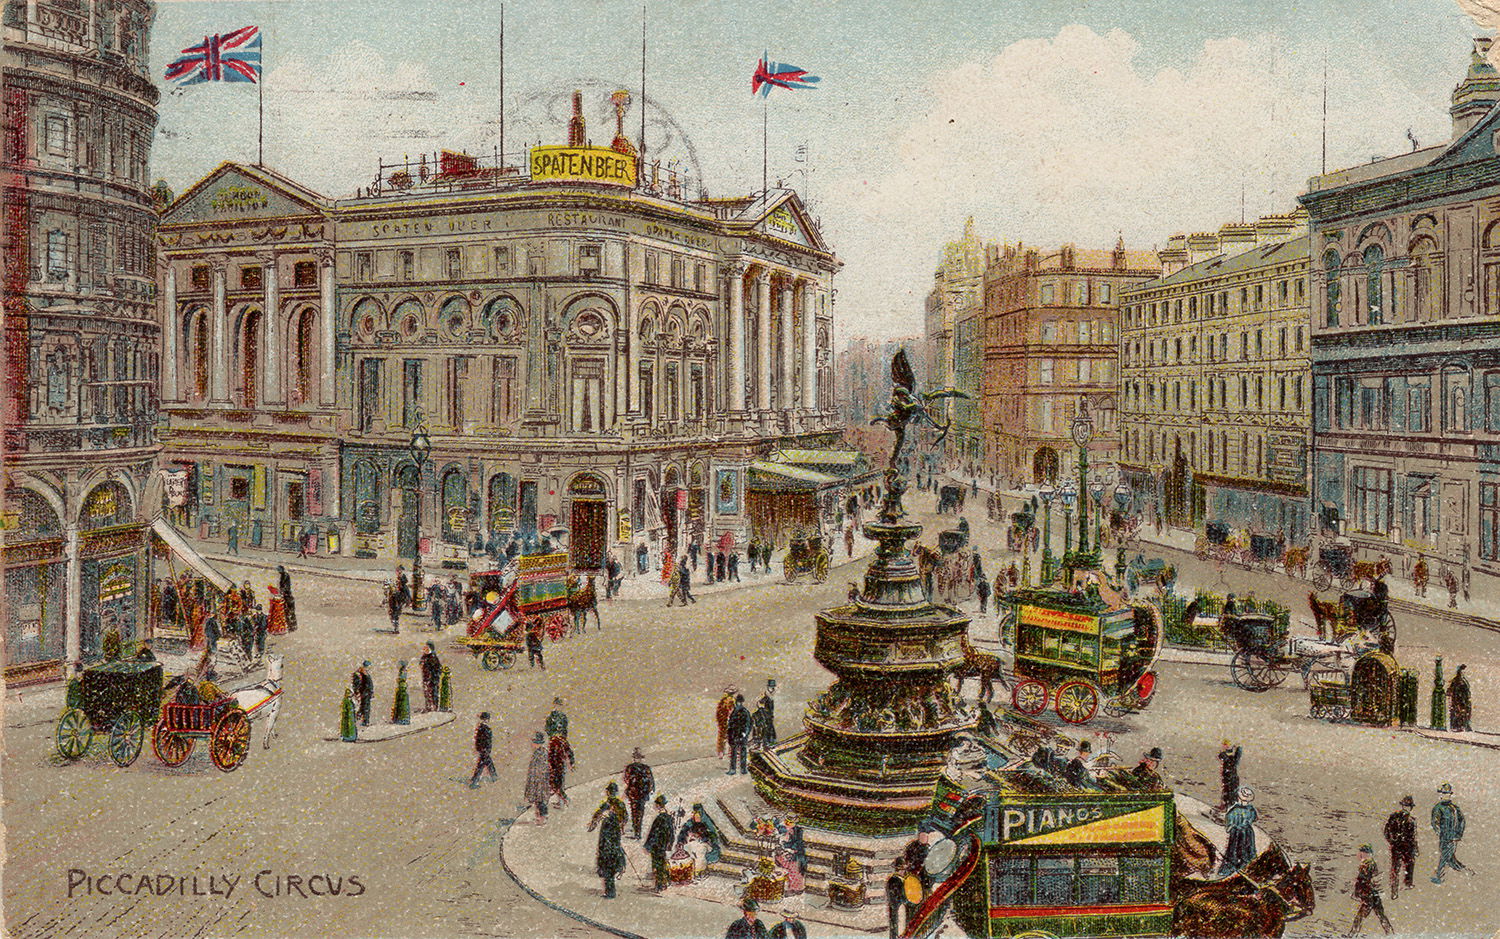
point(263, 699)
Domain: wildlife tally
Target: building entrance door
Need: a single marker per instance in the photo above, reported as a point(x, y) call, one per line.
point(589, 529)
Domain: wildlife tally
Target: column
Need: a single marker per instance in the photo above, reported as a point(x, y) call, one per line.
point(784, 387)
point(171, 329)
point(629, 396)
point(809, 348)
point(734, 347)
point(273, 388)
point(72, 601)
point(763, 342)
point(611, 382)
point(219, 329)
point(330, 352)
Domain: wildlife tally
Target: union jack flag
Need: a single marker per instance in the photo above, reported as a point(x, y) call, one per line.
point(770, 75)
point(231, 57)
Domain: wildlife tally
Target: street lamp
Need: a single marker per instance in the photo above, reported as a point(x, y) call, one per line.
point(419, 446)
point(1122, 499)
point(1083, 432)
point(1097, 491)
point(1047, 493)
point(1068, 495)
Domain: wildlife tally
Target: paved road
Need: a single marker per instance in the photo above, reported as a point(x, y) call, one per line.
point(398, 816)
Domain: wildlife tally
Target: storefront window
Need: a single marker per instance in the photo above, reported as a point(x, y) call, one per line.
point(33, 613)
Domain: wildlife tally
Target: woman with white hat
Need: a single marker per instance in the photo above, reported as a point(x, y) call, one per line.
point(1240, 820)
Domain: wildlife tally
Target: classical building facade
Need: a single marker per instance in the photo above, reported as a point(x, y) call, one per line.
point(1406, 343)
point(81, 340)
point(1051, 350)
point(1215, 393)
point(954, 344)
point(477, 352)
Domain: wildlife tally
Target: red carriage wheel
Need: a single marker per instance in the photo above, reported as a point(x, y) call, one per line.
point(1146, 687)
point(171, 748)
point(1030, 696)
point(230, 741)
point(1077, 702)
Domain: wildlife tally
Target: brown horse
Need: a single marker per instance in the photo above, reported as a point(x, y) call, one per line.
point(1295, 561)
point(984, 666)
point(1371, 570)
point(581, 600)
point(1257, 901)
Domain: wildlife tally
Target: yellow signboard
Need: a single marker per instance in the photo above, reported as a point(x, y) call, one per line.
point(1148, 825)
point(1058, 619)
point(583, 165)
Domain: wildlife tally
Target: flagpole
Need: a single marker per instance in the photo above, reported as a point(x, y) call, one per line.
point(260, 146)
point(765, 151)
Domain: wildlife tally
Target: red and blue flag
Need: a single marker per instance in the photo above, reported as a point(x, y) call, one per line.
point(770, 75)
point(231, 57)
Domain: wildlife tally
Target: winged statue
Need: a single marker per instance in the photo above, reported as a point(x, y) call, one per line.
point(908, 404)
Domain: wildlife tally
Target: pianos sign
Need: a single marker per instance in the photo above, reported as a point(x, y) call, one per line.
point(583, 165)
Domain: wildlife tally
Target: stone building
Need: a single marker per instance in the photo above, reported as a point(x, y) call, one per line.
point(1406, 343)
point(81, 341)
point(469, 351)
point(1050, 350)
point(1214, 380)
point(954, 343)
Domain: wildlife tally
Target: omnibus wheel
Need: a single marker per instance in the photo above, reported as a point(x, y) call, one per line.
point(489, 660)
point(126, 738)
point(1030, 696)
point(1077, 702)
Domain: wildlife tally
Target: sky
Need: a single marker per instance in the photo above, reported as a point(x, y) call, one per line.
point(1047, 121)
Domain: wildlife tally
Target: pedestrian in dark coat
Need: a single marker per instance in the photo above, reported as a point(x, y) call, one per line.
point(747, 926)
point(721, 566)
point(364, 691)
point(535, 791)
point(284, 581)
point(559, 761)
point(609, 818)
point(534, 648)
point(693, 550)
point(760, 732)
point(659, 842)
point(437, 604)
point(734, 566)
point(1367, 891)
point(790, 927)
point(483, 742)
point(685, 585)
point(1460, 704)
point(1229, 774)
point(393, 605)
point(1401, 835)
point(245, 628)
point(168, 614)
point(211, 633)
point(432, 673)
point(739, 735)
point(639, 784)
point(262, 627)
point(1448, 825)
point(982, 587)
point(557, 721)
point(1240, 820)
point(611, 577)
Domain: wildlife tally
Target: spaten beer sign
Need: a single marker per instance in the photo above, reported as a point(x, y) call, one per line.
point(583, 165)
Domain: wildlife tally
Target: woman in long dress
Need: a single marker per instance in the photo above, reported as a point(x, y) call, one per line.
point(1240, 820)
point(700, 838)
point(276, 616)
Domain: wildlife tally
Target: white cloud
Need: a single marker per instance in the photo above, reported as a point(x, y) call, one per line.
point(1070, 138)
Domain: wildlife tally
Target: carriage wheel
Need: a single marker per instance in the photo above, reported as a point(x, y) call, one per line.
point(1321, 579)
point(126, 738)
point(1338, 712)
point(1116, 707)
point(1030, 696)
point(1316, 711)
point(230, 741)
point(1251, 670)
point(1077, 702)
point(489, 660)
point(172, 749)
point(73, 734)
point(507, 659)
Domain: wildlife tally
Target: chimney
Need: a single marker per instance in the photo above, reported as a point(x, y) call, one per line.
point(1201, 246)
point(1478, 92)
point(1236, 238)
point(1175, 256)
point(575, 126)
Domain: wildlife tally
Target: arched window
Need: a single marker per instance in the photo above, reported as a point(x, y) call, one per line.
point(34, 515)
point(407, 317)
point(453, 317)
point(247, 354)
point(501, 318)
point(367, 497)
point(502, 503)
point(108, 504)
point(1456, 400)
point(1374, 296)
point(304, 356)
point(365, 318)
point(195, 336)
point(455, 505)
point(1331, 274)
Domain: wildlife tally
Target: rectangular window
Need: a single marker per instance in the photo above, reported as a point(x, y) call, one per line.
point(411, 392)
point(1098, 881)
point(455, 263)
point(368, 402)
point(1045, 417)
point(1372, 499)
point(1492, 401)
point(1104, 294)
point(364, 266)
point(1281, 341)
point(503, 392)
point(406, 262)
point(1260, 295)
point(700, 276)
point(250, 277)
point(1044, 372)
point(1049, 294)
point(644, 392)
point(1083, 333)
point(1489, 521)
point(1054, 881)
point(536, 265)
point(458, 380)
point(1010, 882)
point(1418, 406)
point(651, 267)
point(502, 260)
point(1281, 291)
point(57, 136)
point(590, 260)
point(1085, 372)
point(1142, 880)
point(57, 255)
point(305, 274)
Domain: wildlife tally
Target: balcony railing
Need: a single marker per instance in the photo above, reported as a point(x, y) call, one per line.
point(63, 25)
point(448, 171)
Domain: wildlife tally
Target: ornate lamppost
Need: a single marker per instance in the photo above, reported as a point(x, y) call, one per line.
point(1097, 491)
point(1047, 493)
point(1068, 494)
point(420, 446)
point(1122, 499)
point(1083, 432)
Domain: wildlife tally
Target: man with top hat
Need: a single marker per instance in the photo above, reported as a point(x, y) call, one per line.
point(1077, 771)
point(747, 926)
point(659, 842)
point(739, 735)
point(1460, 703)
point(609, 818)
point(1229, 774)
point(538, 777)
point(1401, 835)
point(639, 784)
point(1147, 772)
point(1367, 891)
point(483, 742)
point(1448, 823)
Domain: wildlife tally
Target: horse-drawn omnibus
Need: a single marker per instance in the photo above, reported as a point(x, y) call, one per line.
point(531, 594)
point(1080, 652)
point(1031, 860)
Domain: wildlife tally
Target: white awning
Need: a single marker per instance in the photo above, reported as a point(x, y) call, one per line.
point(191, 557)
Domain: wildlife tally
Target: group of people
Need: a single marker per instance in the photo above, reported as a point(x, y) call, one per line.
point(1447, 822)
point(551, 760)
point(740, 729)
point(191, 604)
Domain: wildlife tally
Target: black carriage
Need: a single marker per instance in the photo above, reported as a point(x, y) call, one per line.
point(951, 499)
point(1217, 533)
point(1264, 655)
point(116, 698)
point(1265, 550)
point(1335, 563)
point(1370, 613)
point(1154, 571)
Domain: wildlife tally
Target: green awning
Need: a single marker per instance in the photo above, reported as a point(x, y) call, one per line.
point(766, 475)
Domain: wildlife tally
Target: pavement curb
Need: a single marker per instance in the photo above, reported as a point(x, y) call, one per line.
point(540, 898)
point(406, 730)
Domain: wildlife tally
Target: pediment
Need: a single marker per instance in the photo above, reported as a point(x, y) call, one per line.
point(233, 193)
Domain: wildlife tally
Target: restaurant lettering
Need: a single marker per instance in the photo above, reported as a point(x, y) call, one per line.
point(583, 164)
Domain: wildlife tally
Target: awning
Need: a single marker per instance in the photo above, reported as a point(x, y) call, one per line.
point(848, 458)
point(174, 540)
point(766, 475)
